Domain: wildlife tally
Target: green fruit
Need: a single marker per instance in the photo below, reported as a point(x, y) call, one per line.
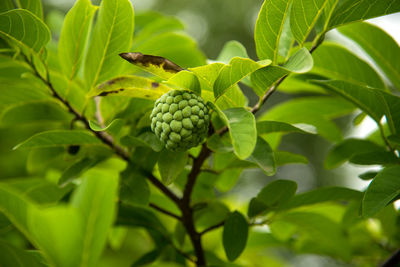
point(180, 120)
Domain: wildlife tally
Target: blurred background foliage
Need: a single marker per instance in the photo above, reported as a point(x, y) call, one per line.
point(211, 23)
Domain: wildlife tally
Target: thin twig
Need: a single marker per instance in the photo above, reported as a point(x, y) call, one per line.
point(166, 212)
point(216, 226)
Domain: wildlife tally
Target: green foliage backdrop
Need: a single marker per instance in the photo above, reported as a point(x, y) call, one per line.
point(85, 182)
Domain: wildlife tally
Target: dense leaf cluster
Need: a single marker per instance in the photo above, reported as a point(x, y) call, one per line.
point(85, 182)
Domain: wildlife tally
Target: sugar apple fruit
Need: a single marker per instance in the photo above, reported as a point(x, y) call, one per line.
point(180, 120)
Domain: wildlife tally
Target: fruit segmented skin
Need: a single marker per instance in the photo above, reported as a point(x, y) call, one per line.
point(180, 120)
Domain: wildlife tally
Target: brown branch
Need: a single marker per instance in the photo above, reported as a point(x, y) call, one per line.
point(166, 212)
point(213, 227)
point(103, 136)
point(393, 260)
point(187, 211)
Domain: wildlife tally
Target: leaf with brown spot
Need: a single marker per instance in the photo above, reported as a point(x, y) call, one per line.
point(156, 65)
point(131, 86)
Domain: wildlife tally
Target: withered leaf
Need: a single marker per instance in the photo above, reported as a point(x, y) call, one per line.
point(157, 65)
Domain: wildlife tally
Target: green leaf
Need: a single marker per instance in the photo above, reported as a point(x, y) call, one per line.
point(269, 27)
point(207, 74)
point(375, 158)
point(264, 78)
point(113, 128)
point(139, 217)
point(374, 102)
point(131, 86)
point(186, 80)
point(379, 45)
point(348, 148)
point(285, 157)
point(112, 35)
point(95, 200)
point(263, 156)
point(134, 187)
point(366, 99)
point(35, 112)
point(13, 256)
point(16, 208)
point(277, 193)
point(242, 129)
point(237, 69)
point(75, 170)
point(74, 35)
point(303, 16)
point(38, 190)
point(368, 175)
point(175, 46)
point(171, 164)
point(34, 6)
point(323, 194)
point(318, 234)
point(146, 139)
point(316, 111)
point(227, 180)
point(230, 50)
point(24, 28)
point(356, 10)
point(265, 127)
point(383, 190)
point(256, 207)
point(6, 5)
point(336, 62)
point(58, 231)
point(59, 138)
point(235, 235)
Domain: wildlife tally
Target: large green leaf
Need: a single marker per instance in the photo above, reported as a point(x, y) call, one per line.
point(318, 234)
point(277, 193)
point(304, 15)
point(235, 235)
point(171, 164)
point(131, 86)
point(59, 138)
point(112, 35)
point(95, 200)
point(336, 62)
point(265, 127)
point(379, 45)
point(269, 27)
point(58, 231)
point(73, 38)
point(383, 190)
point(230, 50)
point(175, 46)
point(38, 190)
point(285, 157)
point(186, 80)
point(34, 6)
point(242, 129)
point(263, 156)
point(374, 102)
point(317, 111)
point(323, 194)
point(13, 256)
point(24, 28)
point(356, 10)
point(264, 78)
point(348, 148)
point(237, 69)
point(35, 112)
